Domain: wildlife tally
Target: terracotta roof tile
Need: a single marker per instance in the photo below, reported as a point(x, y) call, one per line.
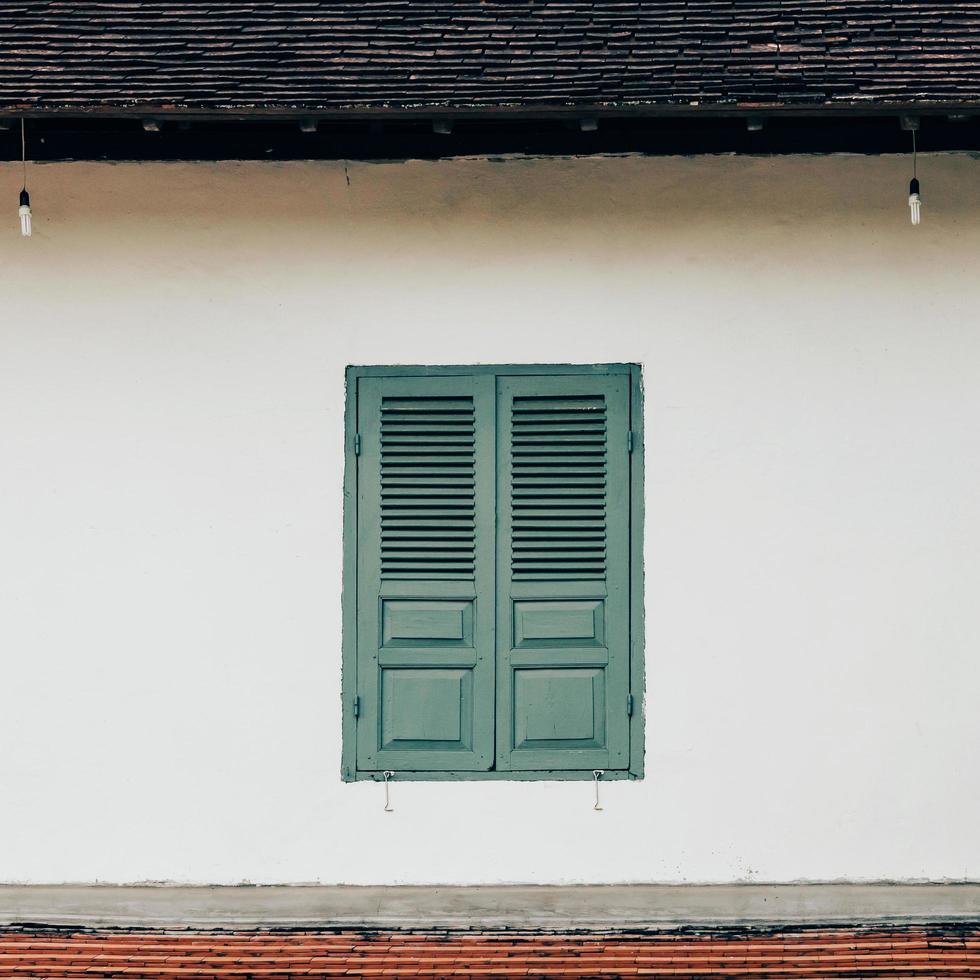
point(843, 953)
point(397, 54)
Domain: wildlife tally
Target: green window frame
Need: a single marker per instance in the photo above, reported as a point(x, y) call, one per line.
point(493, 572)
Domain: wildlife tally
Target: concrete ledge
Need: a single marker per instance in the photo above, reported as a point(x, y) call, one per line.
point(486, 907)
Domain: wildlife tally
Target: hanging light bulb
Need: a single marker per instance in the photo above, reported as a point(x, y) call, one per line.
point(25, 213)
point(25, 199)
point(915, 202)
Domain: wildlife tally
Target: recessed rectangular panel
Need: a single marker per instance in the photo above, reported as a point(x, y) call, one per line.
point(559, 708)
point(426, 623)
point(426, 709)
point(567, 622)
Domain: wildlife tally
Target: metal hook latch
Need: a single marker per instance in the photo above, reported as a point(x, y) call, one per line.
point(388, 807)
point(596, 773)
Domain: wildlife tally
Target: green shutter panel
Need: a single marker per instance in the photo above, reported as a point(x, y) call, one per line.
point(563, 572)
point(425, 585)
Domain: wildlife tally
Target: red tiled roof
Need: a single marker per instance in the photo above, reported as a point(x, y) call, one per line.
point(413, 54)
point(907, 952)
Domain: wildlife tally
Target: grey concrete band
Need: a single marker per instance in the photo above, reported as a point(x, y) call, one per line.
point(486, 907)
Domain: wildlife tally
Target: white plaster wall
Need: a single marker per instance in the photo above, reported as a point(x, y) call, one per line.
point(171, 390)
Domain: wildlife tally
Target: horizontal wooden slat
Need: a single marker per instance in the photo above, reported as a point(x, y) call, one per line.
point(406, 521)
point(427, 534)
point(558, 487)
point(522, 534)
point(427, 487)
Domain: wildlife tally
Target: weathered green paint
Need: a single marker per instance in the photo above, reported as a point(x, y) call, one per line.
point(478, 370)
point(349, 703)
point(563, 560)
point(637, 612)
point(570, 666)
point(513, 775)
point(425, 663)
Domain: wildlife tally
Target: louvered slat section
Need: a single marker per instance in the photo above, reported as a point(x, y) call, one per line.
point(558, 487)
point(427, 487)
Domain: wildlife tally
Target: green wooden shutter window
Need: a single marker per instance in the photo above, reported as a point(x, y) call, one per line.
point(562, 573)
point(425, 669)
point(493, 573)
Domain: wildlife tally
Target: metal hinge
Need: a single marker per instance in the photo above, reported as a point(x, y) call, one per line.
point(629, 705)
point(357, 444)
point(629, 441)
point(357, 707)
